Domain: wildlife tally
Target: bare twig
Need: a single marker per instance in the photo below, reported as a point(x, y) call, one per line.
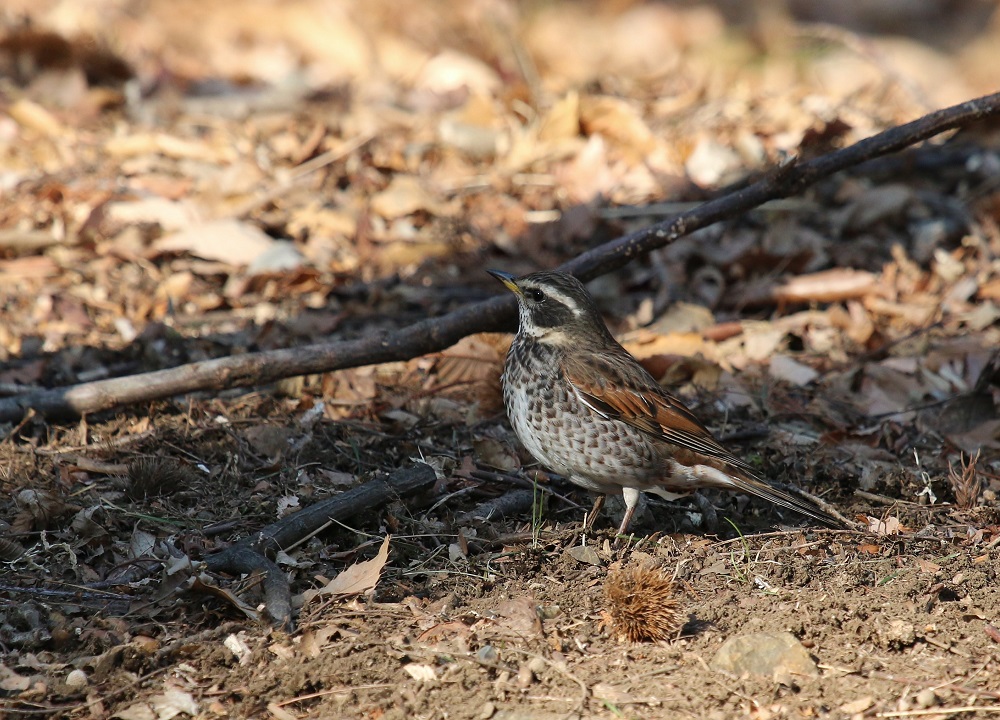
point(941, 711)
point(509, 504)
point(435, 334)
point(906, 680)
point(249, 554)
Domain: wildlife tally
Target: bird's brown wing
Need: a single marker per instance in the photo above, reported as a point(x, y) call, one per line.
point(614, 385)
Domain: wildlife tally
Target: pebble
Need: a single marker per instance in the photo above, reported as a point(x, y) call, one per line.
point(488, 653)
point(524, 676)
point(536, 665)
point(585, 554)
point(76, 679)
point(898, 633)
point(778, 655)
point(926, 698)
point(145, 644)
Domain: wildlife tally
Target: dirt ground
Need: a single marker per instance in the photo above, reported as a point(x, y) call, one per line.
point(514, 628)
point(183, 181)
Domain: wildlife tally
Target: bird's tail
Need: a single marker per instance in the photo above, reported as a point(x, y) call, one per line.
point(761, 489)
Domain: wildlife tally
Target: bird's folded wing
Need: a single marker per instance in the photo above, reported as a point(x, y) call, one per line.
point(611, 387)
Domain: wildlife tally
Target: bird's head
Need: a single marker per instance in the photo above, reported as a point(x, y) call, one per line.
point(554, 307)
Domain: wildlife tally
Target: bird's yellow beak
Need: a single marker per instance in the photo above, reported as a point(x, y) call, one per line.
point(507, 279)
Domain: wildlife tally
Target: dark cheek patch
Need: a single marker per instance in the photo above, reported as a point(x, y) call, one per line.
point(551, 314)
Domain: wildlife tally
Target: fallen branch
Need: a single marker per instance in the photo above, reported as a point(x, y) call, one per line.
point(252, 553)
point(436, 334)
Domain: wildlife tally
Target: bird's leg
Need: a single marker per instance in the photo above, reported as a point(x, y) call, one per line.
point(631, 496)
point(588, 520)
point(709, 518)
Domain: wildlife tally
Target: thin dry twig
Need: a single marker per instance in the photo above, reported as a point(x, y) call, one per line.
point(496, 314)
point(250, 554)
point(941, 711)
point(905, 680)
point(785, 533)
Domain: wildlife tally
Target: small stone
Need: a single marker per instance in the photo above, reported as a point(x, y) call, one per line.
point(548, 612)
point(584, 554)
point(281, 255)
point(145, 644)
point(926, 698)
point(857, 706)
point(76, 679)
point(711, 163)
point(898, 634)
point(536, 665)
point(488, 654)
point(524, 676)
point(487, 711)
point(770, 654)
point(612, 693)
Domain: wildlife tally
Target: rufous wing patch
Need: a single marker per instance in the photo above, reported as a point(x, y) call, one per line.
point(609, 384)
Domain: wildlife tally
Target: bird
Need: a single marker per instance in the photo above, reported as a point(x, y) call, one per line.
point(584, 408)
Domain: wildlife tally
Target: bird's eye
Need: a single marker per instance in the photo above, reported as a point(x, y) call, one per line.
point(535, 295)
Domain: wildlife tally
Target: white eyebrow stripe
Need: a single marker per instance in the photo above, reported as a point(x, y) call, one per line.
point(563, 299)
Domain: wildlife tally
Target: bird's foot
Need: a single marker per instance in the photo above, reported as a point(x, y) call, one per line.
point(709, 516)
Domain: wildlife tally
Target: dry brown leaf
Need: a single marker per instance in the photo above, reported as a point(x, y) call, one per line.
point(588, 175)
point(271, 441)
point(228, 241)
point(562, 120)
point(834, 285)
point(885, 526)
point(613, 694)
point(927, 566)
point(11, 682)
point(37, 510)
point(518, 616)
point(759, 342)
point(19, 271)
point(857, 706)
point(644, 344)
point(167, 705)
point(617, 120)
point(168, 214)
point(420, 672)
point(168, 145)
point(989, 290)
point(444, 630)
point(359, 578)
point(477, 129)
point(877, 204)
point(711, 163)
point(471, 368)
point(31, 115)
point(495, 454)
point(451, 70)
point(206, 583)
point(782, 367)
point(345, 390)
